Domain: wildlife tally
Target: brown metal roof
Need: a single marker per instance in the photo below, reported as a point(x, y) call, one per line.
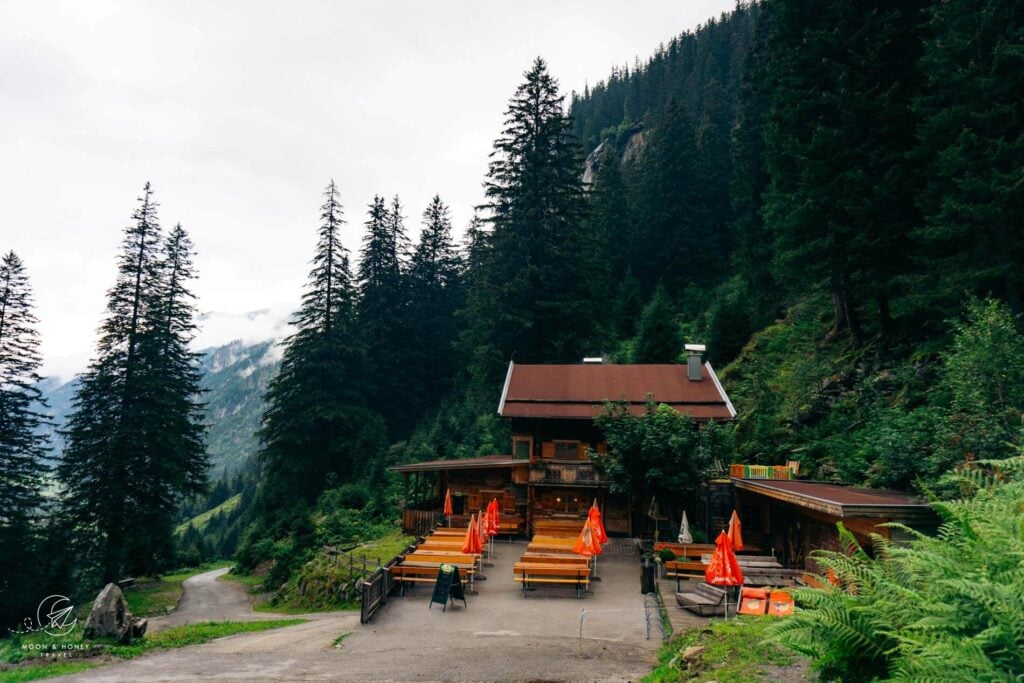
point(841, 501)
point(577, 391)
point(484, 461)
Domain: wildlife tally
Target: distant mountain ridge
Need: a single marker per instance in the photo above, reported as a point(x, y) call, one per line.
point(234, 376)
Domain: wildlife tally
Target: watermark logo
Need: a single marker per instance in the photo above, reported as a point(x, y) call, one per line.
point(56, 615)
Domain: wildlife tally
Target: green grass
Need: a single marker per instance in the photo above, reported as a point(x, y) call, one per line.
point(733, 653)
point(200, 521)
point(195, 634)
point(31, 657)
point(51, 670)
point(152, 597)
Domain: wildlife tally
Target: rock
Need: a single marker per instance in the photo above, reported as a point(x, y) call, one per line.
point(110, 617)
point(692, 653)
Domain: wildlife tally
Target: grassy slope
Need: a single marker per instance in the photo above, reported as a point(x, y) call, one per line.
point(201, 520)
point(733, 653)
point(322, 579)
point(26, 658)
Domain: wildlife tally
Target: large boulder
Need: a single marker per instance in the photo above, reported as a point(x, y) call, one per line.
point(110, 617)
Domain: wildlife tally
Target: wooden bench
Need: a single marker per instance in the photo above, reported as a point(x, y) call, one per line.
point(705, 600)
point(529, 572)
point(445, 531)
point(559, 527)
point(678, 569)
point(416, 573)
point(555, 558)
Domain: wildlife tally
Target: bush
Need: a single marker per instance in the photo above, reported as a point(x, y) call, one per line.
point(948, 607)
point(666, 555)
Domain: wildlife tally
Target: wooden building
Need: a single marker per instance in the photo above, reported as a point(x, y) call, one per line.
point(548, 472)
point(792, 517)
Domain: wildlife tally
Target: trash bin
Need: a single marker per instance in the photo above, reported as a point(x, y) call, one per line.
point(647, 576)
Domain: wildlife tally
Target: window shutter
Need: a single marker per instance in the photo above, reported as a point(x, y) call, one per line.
point(548, 449)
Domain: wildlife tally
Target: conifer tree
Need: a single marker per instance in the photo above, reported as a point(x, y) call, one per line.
point(316, 431)
point(537, 303)
point(23, 446)
point(972, 137)
point(435, 293)
point(383, 312)
point(134, 440)
point(175, 441)
point(658, 339)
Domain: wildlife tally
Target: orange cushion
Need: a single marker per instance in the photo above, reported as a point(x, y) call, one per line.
point(780, 604)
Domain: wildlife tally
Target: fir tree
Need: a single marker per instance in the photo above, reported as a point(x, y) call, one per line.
point(383, 312)
point(104, 468)
point(316, 430)
point(972, 137)
point(177, 452)
point(537, 303)
point(658, 339)
point(23, 446)
point(435, 293)
point(134, 440)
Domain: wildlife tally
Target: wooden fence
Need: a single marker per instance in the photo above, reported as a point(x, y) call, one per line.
point(419, 522)
point(374, 594)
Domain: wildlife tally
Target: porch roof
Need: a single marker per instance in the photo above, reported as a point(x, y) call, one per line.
point(481, 462)
point(839, 501)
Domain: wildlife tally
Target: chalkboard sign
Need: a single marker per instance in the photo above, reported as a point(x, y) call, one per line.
point(448, 586)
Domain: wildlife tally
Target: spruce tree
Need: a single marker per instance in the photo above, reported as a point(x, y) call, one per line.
point(316, 431)
point(23, 446)
point(658, 339)
point(134, 440)
point(537, 305)
point(176, 441)
point(972, 139)
point(435, 293)
point(383, 312)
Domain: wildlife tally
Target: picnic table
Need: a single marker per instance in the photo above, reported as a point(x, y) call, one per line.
point(544, 572)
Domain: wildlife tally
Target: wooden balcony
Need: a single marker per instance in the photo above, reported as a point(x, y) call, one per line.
point(763, 471)
point(566, 474)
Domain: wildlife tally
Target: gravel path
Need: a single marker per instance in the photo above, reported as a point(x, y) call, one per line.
point(501, 635)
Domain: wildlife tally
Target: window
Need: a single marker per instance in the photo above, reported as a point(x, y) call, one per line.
point(521, 448)
point(567, 450)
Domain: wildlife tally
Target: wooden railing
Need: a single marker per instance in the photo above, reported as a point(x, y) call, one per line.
point(419, 522)
point(761, 471)
point(374, 594)
point(582, 473)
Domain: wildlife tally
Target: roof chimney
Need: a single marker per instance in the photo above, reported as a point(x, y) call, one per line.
point(694, 359)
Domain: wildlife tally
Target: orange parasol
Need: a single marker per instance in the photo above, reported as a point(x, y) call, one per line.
point(481, 530)
point(724, 570)
point(448, 505)
point(594, 516)
point(493, 518)
point(472, 545)
point(587, 544)
point(734, 531)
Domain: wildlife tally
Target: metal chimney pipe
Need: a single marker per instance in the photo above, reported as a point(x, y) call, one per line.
point(694, 361)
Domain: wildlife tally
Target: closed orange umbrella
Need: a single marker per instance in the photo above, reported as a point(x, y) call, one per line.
point(597, 523)
point(448, 506)
point(493, 518)
point(472, 545)
point(481, 530)
point(586, 544)
point(734, 531)
point(724, 569)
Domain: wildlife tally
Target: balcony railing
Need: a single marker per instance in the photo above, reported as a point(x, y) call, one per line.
point(762, 471)
point(582, 473)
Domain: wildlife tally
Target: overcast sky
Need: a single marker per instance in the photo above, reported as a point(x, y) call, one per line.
point(240, 112)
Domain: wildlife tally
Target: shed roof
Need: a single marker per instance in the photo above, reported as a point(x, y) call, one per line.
point(837, 500)
point(576, 392)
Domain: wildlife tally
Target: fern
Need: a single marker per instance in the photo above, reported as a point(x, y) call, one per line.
point(948, 607)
